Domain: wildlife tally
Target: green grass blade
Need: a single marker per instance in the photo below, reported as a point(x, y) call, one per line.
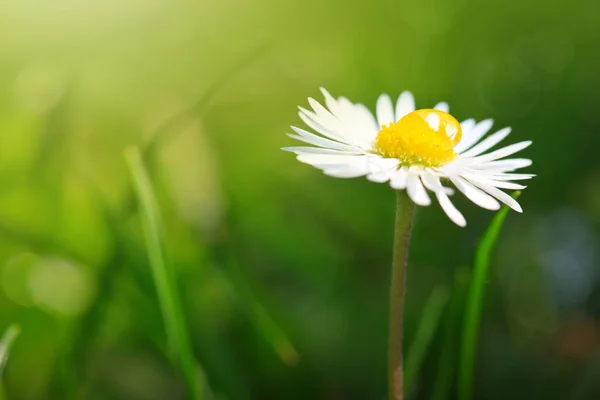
point(6, 343)
point(446, 368)
point(270, 330)
point(260, 317)
point(168, 296)
point(432, 313)
point(169, 128)
point(474, 305)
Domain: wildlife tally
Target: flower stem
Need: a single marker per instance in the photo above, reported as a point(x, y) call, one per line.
point(405, 210)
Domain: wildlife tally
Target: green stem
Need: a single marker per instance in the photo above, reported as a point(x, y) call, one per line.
point(405, 210)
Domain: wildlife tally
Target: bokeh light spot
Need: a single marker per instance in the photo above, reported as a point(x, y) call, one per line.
point(61, 287)
point(15, 278)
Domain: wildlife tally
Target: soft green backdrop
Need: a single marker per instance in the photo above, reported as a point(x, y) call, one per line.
point(284, 272)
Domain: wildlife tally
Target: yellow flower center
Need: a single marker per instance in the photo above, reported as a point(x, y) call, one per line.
point(423, 137)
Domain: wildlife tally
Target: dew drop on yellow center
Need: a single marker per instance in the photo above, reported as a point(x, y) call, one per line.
point(423, 137)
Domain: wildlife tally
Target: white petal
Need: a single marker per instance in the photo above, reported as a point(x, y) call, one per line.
point(317, 150)
point(404, 105)
point(385, 110)
point(415, 189)
point(365, 126)
point(352, 167)
point(335, 108)
point(433, 183)
point(359, 115)
point(310, 119)
point(381, 176)
point(399, 179)
point(510, 177)
point(477, 196)
point(365, 119)
point(505, 165)
point(484, 180)
point(381, 169)
point(358, 123)
point(472, 136)
point(349, 171)
point(456, 167)
point(503, 152)
point(507, 185)
point(488, 143)
point(326, 119)
point(316, 140)
point(442, 106)
point(467, 125)
point(500, 195)
point(378, 163)
point(450, 210)
point(324, 122)
point(327, 160)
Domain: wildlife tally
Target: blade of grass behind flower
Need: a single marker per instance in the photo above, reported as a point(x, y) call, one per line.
point(428, 325)
point(169, 128)
point(168, 296)
point(446, 368)
point(474, 305)
point(6, 343)
point(258, 314)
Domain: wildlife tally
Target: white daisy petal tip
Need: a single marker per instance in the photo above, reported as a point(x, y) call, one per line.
point(303, 111)
point(379, 177)
point(416, 190)
point(347, 140)
point(325, 92)
point(442, 106)
point(317, 107)
point(405, 104)
point(384, 110)
point(450, 210)
point(514, 205)
point(487, 122)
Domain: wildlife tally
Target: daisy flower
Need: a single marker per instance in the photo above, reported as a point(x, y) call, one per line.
point(419, 151)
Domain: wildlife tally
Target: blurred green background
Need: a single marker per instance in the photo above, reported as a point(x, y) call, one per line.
point(284, 273)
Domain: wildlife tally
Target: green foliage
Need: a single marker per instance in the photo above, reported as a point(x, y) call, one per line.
point(6, 343)
point(432, 313)
point(475, 303)
point(168, 295)
point(447, 359)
